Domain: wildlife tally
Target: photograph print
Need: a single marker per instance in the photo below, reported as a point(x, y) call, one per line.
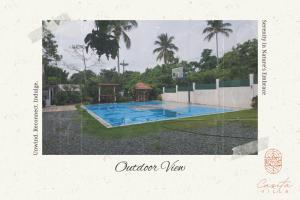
point(152, 87)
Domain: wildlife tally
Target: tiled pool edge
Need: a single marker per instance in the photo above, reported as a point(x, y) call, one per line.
point(170, 119)
point(99, 119)
point(107, 125)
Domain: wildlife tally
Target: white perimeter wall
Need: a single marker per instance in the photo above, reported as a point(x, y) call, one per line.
point(169, 97)
point(181, 97)
point(236, 97)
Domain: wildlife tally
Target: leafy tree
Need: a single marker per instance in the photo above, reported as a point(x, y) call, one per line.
point(89, 84)
point(208, 76)
point(247, 53)
point(235, 64)
point(51, 73)
point(55, 75)
point(159, 76)
point(79, 54)
point(50, 55)
point(207, 61)
point(102, 41)
point(120, 29)
point(78, 78)
point(215, 27)
point(166, 48)
point(128, 81)
point(241, 60)
point(109, 76)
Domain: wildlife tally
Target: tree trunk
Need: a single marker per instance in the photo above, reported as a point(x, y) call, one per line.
point(84, 74)
point(217, 49)
point(118, 58)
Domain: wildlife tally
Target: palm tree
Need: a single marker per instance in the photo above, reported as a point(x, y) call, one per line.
point(120, 28)
point(166, 47)
point(214, 27)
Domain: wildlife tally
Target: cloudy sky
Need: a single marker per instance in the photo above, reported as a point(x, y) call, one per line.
point(188, 38)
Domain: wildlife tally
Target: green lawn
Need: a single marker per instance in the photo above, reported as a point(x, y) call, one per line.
point(91, 126)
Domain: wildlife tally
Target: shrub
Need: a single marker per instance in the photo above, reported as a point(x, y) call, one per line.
point(124, 99)
point(74, 97)
point(62, 98)
point(159, 97)
point(154, 93)
point(89, 100)
point(254, 102)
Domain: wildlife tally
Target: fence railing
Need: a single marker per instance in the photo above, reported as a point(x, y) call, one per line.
point(210, 86)
point(234, 83)
point(205, 86)
point(185, 88)
point(170, 90)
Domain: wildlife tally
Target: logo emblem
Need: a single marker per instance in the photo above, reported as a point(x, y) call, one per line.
point(273, 161)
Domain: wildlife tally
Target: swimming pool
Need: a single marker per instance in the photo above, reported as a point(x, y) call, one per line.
point(122, 114)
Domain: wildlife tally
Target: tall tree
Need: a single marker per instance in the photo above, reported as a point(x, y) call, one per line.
point(215, 27)
point(166, 48)
point(87, 60)
point(105, 39)
point(120, 29)
point(241, 60)
point(50, 55)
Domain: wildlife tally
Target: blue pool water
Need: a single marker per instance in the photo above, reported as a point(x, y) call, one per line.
point(121, 114)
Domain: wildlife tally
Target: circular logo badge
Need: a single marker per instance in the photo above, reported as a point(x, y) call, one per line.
point(273, 161)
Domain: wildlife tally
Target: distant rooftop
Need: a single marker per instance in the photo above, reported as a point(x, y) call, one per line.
point(142, 86)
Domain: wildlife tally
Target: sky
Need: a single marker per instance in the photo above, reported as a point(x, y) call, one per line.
point(188, 38)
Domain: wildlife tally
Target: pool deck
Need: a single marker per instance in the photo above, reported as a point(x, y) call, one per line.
point(59, 108)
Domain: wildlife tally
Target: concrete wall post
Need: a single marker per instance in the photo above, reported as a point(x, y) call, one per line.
point(251, 82)
point(218, 91)
point(99, 93)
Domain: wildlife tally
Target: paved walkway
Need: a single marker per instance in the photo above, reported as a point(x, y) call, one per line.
point(63, 135)
point(59, 108)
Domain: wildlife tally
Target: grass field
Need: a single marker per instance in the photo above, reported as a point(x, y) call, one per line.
point(91, 126)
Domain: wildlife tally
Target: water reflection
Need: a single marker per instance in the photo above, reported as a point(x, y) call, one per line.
point(165, 113)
